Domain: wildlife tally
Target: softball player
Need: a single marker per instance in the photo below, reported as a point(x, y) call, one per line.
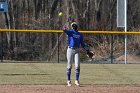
point(75, 39)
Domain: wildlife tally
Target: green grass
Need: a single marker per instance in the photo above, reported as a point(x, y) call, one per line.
point(47, 73)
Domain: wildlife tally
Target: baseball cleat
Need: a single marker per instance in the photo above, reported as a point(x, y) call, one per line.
point(77, 83)
point(69, 83)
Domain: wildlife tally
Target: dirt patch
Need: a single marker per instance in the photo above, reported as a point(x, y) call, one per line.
point(130, 58)
point(72, 89)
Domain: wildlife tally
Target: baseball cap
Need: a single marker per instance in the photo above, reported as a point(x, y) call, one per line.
point(74, 24)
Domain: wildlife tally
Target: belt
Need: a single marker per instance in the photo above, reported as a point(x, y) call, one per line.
point(73, 47)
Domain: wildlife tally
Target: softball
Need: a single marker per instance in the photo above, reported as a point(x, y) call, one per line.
point(60, 14)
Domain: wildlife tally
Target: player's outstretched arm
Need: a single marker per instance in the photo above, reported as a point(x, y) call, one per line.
point(65, 28)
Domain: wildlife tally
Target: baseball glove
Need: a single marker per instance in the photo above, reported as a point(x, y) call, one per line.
point(90, 54)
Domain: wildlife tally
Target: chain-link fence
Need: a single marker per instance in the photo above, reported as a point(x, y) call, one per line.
point(37, 47)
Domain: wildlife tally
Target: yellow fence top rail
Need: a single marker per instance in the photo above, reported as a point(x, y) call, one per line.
point(60, 31)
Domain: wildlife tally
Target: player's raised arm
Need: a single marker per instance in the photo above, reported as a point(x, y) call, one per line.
point(66, 30)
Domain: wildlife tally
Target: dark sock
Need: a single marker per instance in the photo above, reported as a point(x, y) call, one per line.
point(77, 76)
point(77, 73)
point(69, 77)
point(69, 74)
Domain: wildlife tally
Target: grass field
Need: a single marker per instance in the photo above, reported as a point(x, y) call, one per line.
point(54, 73)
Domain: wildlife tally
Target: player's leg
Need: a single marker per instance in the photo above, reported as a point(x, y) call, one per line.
point(77, 67)
point(69, 64)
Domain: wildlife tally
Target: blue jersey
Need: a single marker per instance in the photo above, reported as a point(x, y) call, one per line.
point(75, 39)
